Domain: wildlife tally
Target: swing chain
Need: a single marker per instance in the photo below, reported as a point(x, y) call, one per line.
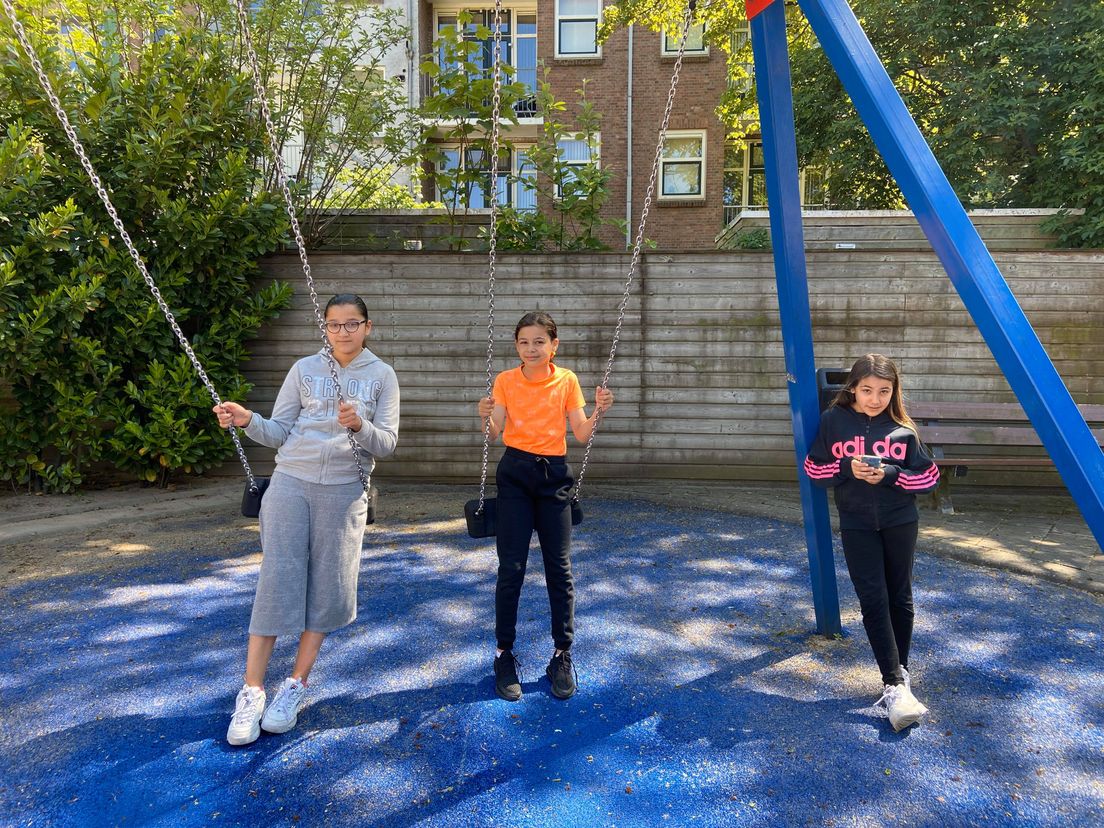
point(289, 206)
point(639, 241)
point(492, 238)
point(101, 191)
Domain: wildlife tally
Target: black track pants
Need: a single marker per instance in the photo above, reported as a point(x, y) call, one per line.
point(534, 493)
point(880, 566)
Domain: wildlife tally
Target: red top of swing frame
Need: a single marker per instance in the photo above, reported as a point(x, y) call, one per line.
point(755, 6)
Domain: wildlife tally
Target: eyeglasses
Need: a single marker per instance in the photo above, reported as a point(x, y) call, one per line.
point(351, 326)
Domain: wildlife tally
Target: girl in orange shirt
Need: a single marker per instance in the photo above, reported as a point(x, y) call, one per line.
point(530, 406)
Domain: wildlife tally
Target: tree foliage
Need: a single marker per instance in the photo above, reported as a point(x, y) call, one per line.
point(1008, 93)
point(343, 128)
point(94, 373)
point(457, 119)
point(571, 196)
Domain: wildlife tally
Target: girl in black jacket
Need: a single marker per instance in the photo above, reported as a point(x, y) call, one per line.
point(869, 453)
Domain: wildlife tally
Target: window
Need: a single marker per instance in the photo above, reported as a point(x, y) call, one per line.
point(757, 177)
point(733, 187)
point(745, 181)
point(695, 42)
point(518, 45)
point(525, 181)
point(575, 153)
point(516, 185)
point(577, 28)
point(814, 193)
point(682, 165)
point(740, 80)
point(525, 63)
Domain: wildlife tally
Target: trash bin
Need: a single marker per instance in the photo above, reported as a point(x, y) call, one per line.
point(830, 381)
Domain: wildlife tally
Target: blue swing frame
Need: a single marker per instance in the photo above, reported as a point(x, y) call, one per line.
point(986, 295)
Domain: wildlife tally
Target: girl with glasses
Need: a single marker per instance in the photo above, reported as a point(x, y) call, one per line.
point(314, 511)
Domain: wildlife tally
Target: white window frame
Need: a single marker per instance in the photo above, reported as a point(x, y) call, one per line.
point(512, 10)
point(668, 45)
point(560, 18)
point(518, 185)
point(595, 159)
point(515, 52)
point(701, 160)
point(744, 171)
point(514, 173)
point(738, 39)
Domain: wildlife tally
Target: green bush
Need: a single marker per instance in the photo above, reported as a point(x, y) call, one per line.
point(94, 370)
point(570, 197)
point(757, 239)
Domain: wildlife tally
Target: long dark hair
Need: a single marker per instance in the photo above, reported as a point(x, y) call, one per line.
point(882, 367)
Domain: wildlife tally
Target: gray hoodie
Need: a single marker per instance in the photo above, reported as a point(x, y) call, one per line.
point(303, 426)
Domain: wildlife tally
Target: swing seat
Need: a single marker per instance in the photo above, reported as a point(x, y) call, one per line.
point(482, 524)
point(251, 500)
point(373, 501)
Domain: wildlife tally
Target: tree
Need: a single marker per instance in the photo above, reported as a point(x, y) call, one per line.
point(1009, 95)
point(340, 123)
point(570, 196)
point(455, 140)
point(335, 114)
point(95, 372)
point(456, 146)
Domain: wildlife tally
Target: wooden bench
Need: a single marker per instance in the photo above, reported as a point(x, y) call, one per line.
point(961, 435)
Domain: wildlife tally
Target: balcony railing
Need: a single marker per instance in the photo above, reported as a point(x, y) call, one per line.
point(524, 108)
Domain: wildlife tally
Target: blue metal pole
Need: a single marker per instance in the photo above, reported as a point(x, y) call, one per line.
point(772, 73)
point(986, 295)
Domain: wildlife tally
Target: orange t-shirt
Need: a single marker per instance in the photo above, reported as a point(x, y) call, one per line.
point(536, 410)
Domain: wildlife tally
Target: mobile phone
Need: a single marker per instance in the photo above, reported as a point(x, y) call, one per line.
point(871, 460)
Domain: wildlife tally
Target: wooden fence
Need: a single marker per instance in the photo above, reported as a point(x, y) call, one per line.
point(882, 230)
point(699, 378)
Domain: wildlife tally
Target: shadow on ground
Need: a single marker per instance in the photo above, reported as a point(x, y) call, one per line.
point(704, 698)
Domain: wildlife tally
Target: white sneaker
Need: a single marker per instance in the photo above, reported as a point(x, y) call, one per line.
point(245, 723)
point(283, 713)
point(901, 706)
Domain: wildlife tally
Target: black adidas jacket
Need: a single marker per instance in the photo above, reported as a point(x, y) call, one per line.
point(909, 471)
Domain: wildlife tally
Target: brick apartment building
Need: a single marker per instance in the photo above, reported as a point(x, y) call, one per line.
point(704, 181)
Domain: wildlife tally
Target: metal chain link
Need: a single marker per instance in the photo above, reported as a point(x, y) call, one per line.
point(101, 191)
point(289, 205)
point(639, 242)
point(492, 239)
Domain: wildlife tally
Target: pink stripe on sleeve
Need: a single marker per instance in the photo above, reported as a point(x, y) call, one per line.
point(924, 480)
point(821, 472)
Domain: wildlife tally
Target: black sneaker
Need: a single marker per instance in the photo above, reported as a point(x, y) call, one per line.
point(507, 683)
point(561, 673)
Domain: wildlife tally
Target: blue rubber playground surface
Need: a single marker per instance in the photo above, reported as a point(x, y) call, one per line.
point(704, 697)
